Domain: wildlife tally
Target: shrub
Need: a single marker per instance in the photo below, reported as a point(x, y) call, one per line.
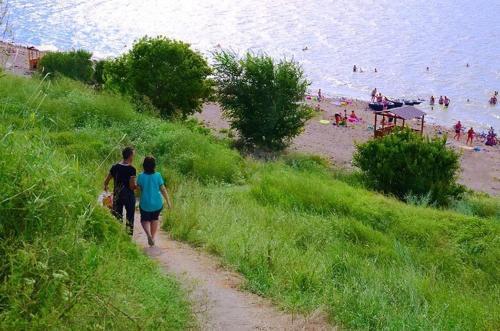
point(74, 64)
point(406, 164)
point(168, 72)
point(98, 77)
point(261, 98)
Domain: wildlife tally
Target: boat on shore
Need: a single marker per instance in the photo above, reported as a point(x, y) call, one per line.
point(379, 106)
point(412, 102)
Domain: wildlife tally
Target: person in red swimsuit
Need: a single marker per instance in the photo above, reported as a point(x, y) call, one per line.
point(470, 136)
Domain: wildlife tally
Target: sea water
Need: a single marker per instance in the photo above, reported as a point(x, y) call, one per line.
point(399, 38)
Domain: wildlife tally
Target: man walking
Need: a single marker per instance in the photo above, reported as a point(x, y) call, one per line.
point(123, 195)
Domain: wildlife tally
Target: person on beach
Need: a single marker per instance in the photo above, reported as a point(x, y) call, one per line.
point(491, 138)
point(470, 136)
point(338, 119)
point(374, 94)
point(152, 188)
point(353, 118)
point(123, 194)
point(458, 131)
point(320, 96)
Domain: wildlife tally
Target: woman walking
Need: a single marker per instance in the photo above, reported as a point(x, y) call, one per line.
point(152, 188)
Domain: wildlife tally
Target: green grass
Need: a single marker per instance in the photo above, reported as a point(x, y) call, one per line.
point(309, 241)
point(303, 235)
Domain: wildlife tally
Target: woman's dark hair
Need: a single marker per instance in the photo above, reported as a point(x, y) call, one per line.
point(149, 165)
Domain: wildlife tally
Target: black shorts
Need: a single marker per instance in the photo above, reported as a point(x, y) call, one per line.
point(149, 216)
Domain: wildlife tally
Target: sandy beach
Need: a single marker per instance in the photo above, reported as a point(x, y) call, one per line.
point(480, 170)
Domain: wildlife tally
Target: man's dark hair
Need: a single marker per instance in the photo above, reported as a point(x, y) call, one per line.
point(149, 165)
point(127, 152)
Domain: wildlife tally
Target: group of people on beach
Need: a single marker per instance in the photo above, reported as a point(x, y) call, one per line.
point(152, 189)
point(378, 97)
point(491, 137)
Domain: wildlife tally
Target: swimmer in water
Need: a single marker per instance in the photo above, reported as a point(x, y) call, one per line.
point(354, 68)
point(441, 100)
point(376, 70)
point(427, 68)
point(467, 65)
point(432, 100)
point(493, 100)
point(305, 48)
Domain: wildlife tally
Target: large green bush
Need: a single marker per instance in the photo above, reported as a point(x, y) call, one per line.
point(406, 164)
point(262, 98)
point(73, 64)
point(168, 72)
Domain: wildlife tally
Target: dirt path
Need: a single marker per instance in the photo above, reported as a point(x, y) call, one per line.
point(218, 302)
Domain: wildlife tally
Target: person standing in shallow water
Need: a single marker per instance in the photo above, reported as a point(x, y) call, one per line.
point(152, 188)
point(123, 194)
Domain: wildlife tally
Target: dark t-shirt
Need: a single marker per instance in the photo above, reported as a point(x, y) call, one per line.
point(121, 175)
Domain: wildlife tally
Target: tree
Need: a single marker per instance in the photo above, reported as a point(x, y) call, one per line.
point(73, 64)
point(262, 98)
point(167, 72)
point(404, 163)
point(4, 22)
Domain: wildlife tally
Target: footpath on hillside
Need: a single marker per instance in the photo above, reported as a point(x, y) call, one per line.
point(218, 302)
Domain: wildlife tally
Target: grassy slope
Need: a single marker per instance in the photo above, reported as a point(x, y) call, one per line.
point(65, 264)
point(300, 236)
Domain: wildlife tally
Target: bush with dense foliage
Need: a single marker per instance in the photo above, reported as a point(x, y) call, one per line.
point(73, 64)
point(167, 72)
point(262, 98)
point(405, 163)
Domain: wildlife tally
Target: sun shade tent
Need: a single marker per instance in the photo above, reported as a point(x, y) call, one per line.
point(405, 113)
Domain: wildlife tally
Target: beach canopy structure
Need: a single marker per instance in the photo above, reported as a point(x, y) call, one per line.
point(390, 120)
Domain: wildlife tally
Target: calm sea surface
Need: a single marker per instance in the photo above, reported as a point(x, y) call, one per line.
point(399, 38)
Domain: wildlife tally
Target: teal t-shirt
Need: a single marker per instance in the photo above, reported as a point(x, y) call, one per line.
point(150, 184)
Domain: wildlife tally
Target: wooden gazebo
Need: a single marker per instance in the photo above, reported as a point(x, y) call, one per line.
point(390, 119)
point(34, 56)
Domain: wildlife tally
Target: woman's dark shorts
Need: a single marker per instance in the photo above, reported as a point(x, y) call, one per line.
point(149, 216)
